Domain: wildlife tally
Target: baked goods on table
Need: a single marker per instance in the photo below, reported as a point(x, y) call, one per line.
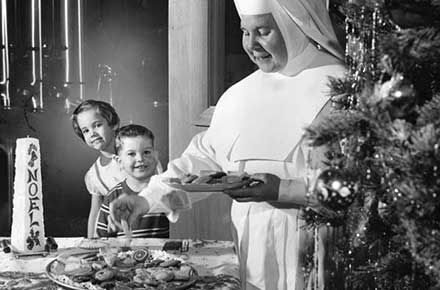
point(130, 268)
point(118, 267)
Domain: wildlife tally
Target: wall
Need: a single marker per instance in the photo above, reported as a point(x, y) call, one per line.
point(64, 161)
point(190, 74)
point(131, 37)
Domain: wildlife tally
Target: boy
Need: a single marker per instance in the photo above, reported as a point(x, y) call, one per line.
point(138, 159)
point(95, 122)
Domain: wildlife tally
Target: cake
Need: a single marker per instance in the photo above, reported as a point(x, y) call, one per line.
point(27, 232)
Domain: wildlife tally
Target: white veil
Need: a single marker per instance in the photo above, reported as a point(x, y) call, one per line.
point(311, 16)
point(313, 19)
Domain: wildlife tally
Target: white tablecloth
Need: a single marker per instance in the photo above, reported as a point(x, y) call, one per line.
point(207, 257)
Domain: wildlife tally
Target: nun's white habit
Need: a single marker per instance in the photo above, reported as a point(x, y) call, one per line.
point(258, 127)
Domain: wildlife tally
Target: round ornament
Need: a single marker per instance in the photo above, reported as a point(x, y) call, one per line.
point(335, 189)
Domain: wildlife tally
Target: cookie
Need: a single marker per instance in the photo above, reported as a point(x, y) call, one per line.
point(170, 263)
point(125, 263)
point(83, 270)
point(57, 268)
point(183, 273)
point(189, 178)
point(140, 255)
point(202, 179)
point(163, 275)
point(104, 274)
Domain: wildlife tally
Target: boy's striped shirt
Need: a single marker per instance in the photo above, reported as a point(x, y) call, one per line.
point(154, 225)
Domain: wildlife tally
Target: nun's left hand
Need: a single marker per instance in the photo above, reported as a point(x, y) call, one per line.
point(264, 188)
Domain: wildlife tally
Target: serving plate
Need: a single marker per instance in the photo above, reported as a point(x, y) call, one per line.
point(216, 187)
point(183, 285)
point(51, 276)
point(55, 278)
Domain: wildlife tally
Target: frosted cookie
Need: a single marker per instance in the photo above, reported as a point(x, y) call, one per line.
point(104, 274)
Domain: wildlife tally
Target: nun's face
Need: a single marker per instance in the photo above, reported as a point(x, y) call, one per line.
point(263, 42)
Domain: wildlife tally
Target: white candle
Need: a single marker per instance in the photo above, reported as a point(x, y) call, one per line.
point(40, 54)
point(4, 44)
point(34, 77)
point(34, 103)
point(81, 84)
point(4, 100)
point(67, 105)
point(5, 55)
point(66, 39)
point(27, 231)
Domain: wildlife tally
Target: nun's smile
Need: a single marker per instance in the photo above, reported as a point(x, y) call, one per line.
point(263, 42)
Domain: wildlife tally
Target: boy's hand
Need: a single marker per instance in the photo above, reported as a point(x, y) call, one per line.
point(129, 208)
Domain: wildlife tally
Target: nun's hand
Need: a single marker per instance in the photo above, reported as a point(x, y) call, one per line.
point(264, 188)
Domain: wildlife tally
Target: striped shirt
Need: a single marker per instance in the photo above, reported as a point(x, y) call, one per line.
point(154, 225)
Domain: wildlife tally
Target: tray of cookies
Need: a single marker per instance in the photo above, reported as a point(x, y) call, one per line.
point(209, 181)
point(120, 268)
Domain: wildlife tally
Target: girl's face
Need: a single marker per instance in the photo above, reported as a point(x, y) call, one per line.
point(137, 157)
point(263, 42)
point(96, 131)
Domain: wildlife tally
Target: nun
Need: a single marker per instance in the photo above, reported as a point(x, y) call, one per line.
point(258, 128)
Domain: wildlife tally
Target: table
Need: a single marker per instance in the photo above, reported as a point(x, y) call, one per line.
point(209, 258)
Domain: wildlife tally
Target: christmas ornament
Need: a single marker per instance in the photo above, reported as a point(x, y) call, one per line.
point(344, 146)
point(397, 96)
point(335, 189)
point(382, 209)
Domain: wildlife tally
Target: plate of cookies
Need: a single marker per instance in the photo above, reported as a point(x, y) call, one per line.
point(209, 181)
point(120, 268)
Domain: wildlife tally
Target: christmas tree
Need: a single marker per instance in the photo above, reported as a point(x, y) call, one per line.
point(382, 185)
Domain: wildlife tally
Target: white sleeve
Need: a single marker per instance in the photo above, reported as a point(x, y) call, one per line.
point(90, 182)
point(293, 191)
point(199, 155)
point(300, 190)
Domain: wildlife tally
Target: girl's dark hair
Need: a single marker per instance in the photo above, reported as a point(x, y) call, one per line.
point(131, 130)
point(103, 108)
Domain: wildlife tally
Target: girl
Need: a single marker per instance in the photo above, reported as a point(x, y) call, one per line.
point(95, 122)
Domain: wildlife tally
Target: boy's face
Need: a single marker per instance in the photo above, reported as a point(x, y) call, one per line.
point(96, 130)
point(137, 157)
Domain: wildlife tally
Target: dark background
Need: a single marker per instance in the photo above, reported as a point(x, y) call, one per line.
point(129, 36)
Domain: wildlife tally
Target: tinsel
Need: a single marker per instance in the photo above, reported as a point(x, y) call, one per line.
point(389, 237)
